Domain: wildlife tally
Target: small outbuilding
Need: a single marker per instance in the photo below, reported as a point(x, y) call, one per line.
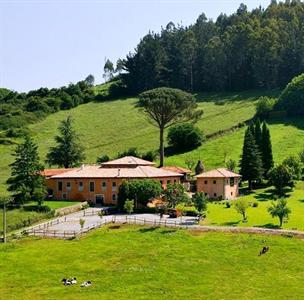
point(219, 184)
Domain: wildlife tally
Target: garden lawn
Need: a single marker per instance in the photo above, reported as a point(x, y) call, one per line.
point(218, 214)
point(147, 263)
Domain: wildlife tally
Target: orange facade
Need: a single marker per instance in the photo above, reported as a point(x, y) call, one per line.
point(219, 188)
point(95, 190)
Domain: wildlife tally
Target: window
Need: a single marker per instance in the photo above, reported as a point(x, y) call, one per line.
point(174, 180)
point(231, 193)
point(80, 186)
point(231, 181)
point(114, 197)
point(60, 186)
point(168, 181)
point(161, 182)
point(206, 181)
point(92, 186)
point(113, 186)
point(206, 194)
point(104, 185)
point(68, 186)
point(214, 194)
point(214, 181)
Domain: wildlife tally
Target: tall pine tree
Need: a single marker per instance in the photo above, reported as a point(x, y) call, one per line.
point(266, 149)
point(26, 181)
point(251, 163)
point(68, 152)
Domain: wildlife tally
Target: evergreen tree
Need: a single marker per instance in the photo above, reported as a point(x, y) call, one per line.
point(266, 149)
point(68, 152)
point(26, 181)
point(258, 134)
point(251, 163)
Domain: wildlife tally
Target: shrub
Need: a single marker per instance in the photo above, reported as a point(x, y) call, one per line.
point(103, 158)
point(294, 164)
point(150, 155)
point(280, 177)
point(292, 97)
point(130, 152)
point(37, 208)
point(184, 137)
point(255, 204)
point(228, 204)
point(187, 210)
point(264, 106)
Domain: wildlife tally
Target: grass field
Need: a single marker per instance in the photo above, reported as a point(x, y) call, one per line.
point(110, 127)
point(218, 214)
point(159, 264)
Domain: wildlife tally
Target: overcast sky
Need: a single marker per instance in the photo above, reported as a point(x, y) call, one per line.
point(55, 42)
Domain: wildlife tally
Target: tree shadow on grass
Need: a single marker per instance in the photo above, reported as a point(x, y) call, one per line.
point(269, 226)
point(149, 229)
point(168, 231)
point(236, 223)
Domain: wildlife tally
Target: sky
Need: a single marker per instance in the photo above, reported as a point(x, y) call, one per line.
point(50, 43)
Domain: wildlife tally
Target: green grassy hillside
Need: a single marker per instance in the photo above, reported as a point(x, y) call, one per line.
point(110, 127)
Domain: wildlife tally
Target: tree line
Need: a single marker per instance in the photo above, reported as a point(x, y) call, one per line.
point(19, 109)
point(262, 48)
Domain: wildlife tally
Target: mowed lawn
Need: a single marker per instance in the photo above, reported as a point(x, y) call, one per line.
point(218, 214)
point(153, 263)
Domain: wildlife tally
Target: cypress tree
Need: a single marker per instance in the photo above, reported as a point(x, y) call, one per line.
point(258, 134)
point(251, 163)
point(266, 149)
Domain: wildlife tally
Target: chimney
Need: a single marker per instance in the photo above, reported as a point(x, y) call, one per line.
point(118, 172)
point(82, 166)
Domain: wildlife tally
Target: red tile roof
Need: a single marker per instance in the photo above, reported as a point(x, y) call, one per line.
point(218, 173)
point(52, 172)
point(127, 161)
point(94, 171)
point(177, 169)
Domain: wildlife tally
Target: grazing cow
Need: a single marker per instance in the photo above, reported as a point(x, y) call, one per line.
point(264, 250)
point(86, 283)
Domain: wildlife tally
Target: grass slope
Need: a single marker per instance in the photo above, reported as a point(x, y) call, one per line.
point(160, 263)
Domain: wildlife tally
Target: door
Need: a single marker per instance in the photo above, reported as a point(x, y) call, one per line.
point(99, 199)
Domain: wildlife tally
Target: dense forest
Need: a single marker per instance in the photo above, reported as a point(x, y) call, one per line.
point(20, 109)
point(262, 48)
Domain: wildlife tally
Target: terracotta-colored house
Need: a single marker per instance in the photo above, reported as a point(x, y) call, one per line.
point(219, 184)
point(99, 184)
